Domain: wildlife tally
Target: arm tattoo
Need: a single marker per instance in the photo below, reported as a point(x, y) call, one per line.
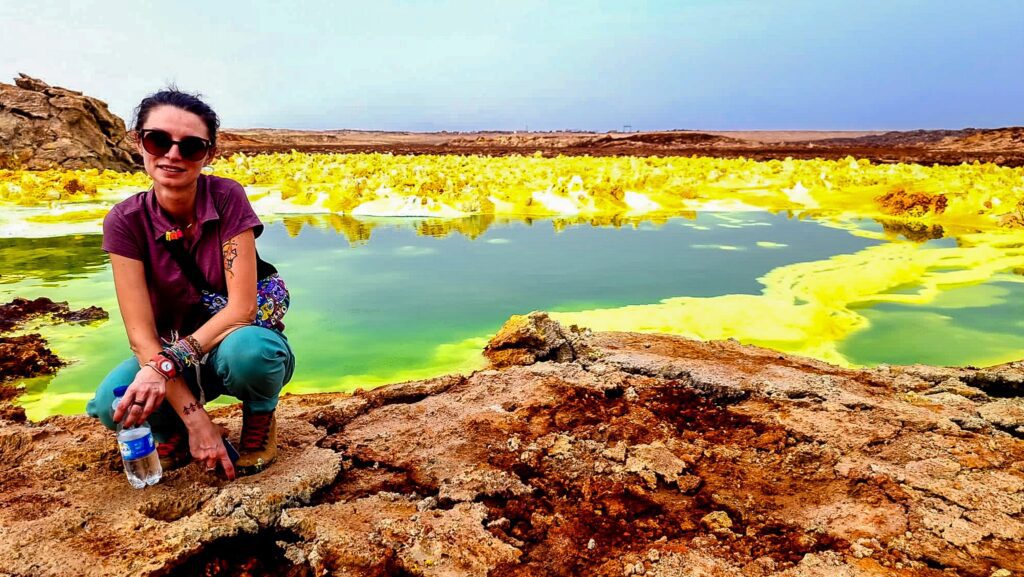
point(190, 408)
point(230, 254)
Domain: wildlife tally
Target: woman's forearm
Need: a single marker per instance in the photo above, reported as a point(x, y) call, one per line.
point(136, 310)
point(144, 347)
point(181, 399)
point(240, 277)
point(229, 319)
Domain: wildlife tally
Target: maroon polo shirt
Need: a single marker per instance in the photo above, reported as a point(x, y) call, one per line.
point(222, 212)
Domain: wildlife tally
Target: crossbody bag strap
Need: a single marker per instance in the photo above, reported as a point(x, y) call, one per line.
point(185, 261)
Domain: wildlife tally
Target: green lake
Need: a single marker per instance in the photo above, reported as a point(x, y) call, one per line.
point(417, 299)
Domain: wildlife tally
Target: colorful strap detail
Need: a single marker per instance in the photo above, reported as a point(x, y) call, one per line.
point(164, 365)
point(185, 352)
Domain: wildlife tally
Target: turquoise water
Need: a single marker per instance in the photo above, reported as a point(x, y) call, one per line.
point(971, 325)
point(383, 300)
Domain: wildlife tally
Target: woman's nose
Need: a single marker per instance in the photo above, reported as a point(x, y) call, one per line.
point(173, 153)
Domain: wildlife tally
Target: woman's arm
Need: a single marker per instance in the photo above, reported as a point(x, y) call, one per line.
point(150, 388)
point(239, 254)
point(136, 310)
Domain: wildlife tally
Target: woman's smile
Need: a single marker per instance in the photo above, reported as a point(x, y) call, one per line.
point(170, 171)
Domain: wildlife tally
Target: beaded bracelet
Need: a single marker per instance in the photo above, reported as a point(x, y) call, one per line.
point(183, 353)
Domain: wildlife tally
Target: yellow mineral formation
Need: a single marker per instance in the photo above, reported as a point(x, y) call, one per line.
point(451, 186)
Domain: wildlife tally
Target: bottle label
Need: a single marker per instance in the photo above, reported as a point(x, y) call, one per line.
point(136, 448)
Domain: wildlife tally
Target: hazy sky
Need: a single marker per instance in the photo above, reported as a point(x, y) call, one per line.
point(509, 64)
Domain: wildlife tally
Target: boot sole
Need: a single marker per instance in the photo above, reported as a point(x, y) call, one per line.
point(257, 467)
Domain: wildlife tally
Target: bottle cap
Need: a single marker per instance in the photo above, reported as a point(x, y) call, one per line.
point(120, 391)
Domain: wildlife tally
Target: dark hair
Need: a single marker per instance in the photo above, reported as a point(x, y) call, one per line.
point(178, 99)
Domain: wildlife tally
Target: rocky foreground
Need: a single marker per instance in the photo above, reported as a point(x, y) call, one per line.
point(575, 454)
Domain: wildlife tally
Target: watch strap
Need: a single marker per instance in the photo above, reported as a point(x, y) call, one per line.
point(164, 364)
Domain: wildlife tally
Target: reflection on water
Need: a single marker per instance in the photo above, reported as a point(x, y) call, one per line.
point(359, 230)
point(913, 231)
point(378, 300)
point(50, 260)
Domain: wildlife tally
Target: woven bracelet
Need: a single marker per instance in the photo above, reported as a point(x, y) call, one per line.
point(197, 348)
point(182, 353)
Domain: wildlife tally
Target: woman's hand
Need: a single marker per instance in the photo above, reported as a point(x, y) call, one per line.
point(143, 396)
point(207, 447)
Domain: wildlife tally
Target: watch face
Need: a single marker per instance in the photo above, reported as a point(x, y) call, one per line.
point(166, 366)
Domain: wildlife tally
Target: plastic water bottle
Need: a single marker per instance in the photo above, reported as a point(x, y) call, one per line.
point(138, 450)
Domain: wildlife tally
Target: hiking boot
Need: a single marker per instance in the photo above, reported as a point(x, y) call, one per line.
point(174, 453)
point(258, 446)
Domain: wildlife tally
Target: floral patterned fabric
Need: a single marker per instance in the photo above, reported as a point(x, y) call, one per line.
point(272, 301)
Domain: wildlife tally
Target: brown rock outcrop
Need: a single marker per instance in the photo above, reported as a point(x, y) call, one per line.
point(19, 311)
point(527, 339)
point(648, 455)
point(43, 127)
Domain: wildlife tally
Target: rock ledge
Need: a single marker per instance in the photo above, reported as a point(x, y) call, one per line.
point(46, 127)
point(647, 455)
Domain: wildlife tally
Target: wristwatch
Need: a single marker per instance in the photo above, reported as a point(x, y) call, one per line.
point(162, 364)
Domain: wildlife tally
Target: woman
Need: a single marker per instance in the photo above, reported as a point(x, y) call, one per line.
point(183, 356)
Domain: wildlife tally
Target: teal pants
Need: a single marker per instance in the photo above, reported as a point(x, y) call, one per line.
point(251, 364)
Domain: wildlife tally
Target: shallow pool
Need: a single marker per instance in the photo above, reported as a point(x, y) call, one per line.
point(383, 300)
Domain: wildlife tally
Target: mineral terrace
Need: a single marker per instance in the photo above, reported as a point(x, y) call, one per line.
point(576, 453)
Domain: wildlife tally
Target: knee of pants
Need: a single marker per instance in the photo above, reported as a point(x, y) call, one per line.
point(99, 406)
point(254, 363)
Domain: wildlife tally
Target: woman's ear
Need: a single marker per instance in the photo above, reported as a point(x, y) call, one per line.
point(135, 139)
point(210, 155)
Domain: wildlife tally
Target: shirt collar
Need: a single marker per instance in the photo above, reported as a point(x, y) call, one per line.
point(205, 209)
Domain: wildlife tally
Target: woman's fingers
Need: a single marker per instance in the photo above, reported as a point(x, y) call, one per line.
point(126, 406)
point(135, 414)
point(123, 406)
point(137, 405)
point(151, 404)
point(145, 393)
point(210, 452)
point(228, 466)
point(220, 457)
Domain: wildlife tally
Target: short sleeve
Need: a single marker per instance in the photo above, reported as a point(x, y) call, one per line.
point(236, 213)
point(118, 237)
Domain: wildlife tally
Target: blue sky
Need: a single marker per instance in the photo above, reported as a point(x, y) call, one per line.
point(586, 65)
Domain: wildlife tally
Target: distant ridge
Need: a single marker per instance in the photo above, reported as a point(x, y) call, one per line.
point(1004, 146)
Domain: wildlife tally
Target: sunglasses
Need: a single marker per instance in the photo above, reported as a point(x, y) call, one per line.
point(159, 143)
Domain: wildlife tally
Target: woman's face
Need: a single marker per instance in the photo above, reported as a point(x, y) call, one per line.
point(171, 170)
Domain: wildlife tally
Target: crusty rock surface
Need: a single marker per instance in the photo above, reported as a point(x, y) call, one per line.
point(28, 355)
point(648, 455)
point(43, 127)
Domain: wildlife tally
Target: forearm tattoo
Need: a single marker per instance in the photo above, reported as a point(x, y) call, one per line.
point(190, 408)
point(230, 254)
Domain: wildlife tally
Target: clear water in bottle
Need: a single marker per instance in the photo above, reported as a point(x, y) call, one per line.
point(138, 450)
point(141, 470)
